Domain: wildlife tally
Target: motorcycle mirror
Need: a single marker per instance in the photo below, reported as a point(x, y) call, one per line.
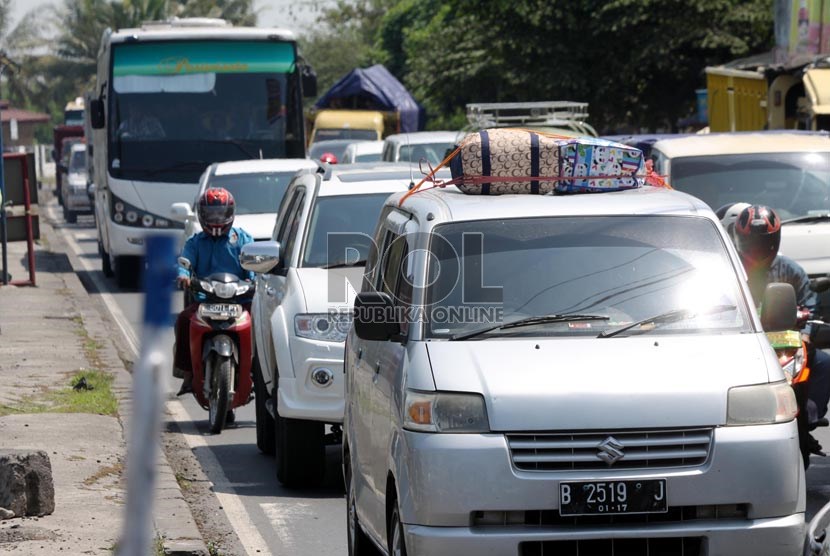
point(184, 263)
point(778, 309)
point(820, 285)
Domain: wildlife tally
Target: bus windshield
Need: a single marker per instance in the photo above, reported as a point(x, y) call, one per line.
point(178, 106)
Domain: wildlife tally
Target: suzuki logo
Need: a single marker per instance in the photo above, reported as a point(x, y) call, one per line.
point(610, 450)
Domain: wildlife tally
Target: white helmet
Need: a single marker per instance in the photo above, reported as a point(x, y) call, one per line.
point(728, 214)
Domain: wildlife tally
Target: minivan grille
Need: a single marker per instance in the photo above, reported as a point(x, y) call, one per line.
point(671, 546)
point(603, 450)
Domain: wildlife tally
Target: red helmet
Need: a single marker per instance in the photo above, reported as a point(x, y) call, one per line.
point(757, 235)
point(216, 209)
point(328, 157)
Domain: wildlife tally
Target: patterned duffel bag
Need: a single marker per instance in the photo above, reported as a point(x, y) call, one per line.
point(519, 160)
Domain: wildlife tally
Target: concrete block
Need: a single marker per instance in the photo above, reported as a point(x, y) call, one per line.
point(26, 486)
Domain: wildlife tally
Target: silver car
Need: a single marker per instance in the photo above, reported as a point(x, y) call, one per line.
point(569, 375)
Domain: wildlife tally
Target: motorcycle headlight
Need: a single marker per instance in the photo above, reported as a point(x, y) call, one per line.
point(761, 404)
point(206, 286)
point(223, 290)
point(444, 412)
point(323, 326)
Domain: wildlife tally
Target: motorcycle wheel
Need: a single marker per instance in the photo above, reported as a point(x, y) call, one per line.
point(218, 403)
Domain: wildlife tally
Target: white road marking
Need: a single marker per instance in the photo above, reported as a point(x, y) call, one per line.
point(243, 526)
point(282, 515)
point(248, 534)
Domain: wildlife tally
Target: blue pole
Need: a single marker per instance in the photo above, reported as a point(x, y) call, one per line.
point(145, 424)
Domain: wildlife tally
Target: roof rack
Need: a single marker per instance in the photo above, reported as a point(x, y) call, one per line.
point(504, 114)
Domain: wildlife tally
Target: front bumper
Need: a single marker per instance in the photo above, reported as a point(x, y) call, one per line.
point(76, 199)
point(299, 397)
point(758, 467)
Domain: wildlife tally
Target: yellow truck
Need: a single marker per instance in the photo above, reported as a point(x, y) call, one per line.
point(370, 125)
point(768, 97)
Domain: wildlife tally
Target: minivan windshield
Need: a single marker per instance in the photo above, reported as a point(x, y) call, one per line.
point(609, 271)
point(341, 229)
point(794, 184)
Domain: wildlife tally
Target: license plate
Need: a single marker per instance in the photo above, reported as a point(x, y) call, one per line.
point(218, 308)
point(613, 497)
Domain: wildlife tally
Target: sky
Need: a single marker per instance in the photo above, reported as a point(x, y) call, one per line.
point(297, 15)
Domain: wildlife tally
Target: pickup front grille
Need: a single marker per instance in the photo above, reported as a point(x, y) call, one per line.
point(614, 450)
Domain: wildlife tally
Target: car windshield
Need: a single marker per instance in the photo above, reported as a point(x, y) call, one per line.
point(367, 157)
point(77, 163)
point(337, 148)
point(625, 268)
point(327, 134)
point(341, 229)
point(255, 193)
point(794, 184)
point(433, 153)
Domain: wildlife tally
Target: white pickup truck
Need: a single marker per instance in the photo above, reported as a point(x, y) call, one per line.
point(307, 276)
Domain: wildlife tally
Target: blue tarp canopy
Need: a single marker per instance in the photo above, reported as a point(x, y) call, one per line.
point(375, 88)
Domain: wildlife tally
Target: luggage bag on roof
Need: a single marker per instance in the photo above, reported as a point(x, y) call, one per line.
point(520, 160)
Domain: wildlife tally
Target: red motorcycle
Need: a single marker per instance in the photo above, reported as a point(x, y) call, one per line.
point(221, 345)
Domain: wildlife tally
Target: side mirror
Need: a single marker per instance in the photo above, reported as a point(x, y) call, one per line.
point(309, 80)
point(184, 263)
point(96, 113)
point(820, 285)
point(374, 317)
point(180, 211)
point(260, 256)
point(778, 308)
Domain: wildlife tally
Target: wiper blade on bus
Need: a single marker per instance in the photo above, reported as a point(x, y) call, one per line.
point(236, 143)
point(180, 166)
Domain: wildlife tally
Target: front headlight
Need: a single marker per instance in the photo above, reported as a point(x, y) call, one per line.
point(793, 363)
point(223, 290)
point(445, 412)
point(761, 404)
point(330, 327)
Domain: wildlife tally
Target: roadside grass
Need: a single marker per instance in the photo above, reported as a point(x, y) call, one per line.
point(98, 399)
point(184, 482)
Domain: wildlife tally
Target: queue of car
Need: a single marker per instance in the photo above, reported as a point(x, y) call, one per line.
point(595, 438)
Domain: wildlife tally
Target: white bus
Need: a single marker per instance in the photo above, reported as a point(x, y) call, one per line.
point(172, 98)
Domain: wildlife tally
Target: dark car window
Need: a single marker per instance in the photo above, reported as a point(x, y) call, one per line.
point(791, 183)
point(341, 229)
point(628, 268)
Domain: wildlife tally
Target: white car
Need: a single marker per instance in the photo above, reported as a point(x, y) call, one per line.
point(307, 276)
point(412, 147)
point(789, 172)
point(364, 151)
point(74, 191)
point(257, 187)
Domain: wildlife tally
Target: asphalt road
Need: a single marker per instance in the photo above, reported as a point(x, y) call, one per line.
point(267, 517)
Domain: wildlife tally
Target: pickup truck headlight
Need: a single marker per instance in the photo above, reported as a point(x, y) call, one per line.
point(323, 326)
point(445, 412)
point(761, 404)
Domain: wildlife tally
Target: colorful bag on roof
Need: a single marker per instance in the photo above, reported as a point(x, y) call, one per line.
point(519, 160)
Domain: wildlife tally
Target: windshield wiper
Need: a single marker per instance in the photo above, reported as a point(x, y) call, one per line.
point(668, 317)
point(180, 166)
point(807, 218)
point(530, 321)
point(361, 262)
point(236, 143)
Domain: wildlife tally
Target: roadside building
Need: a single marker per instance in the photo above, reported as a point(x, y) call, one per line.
point(19, 126)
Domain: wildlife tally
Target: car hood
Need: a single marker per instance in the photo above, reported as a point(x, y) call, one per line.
point(808, 245)
point(330, 290)
point(629, 382)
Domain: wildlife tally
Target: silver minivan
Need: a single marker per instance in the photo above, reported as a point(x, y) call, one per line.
point(568, 375)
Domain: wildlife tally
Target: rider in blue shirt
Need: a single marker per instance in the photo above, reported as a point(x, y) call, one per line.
point(215, 249)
